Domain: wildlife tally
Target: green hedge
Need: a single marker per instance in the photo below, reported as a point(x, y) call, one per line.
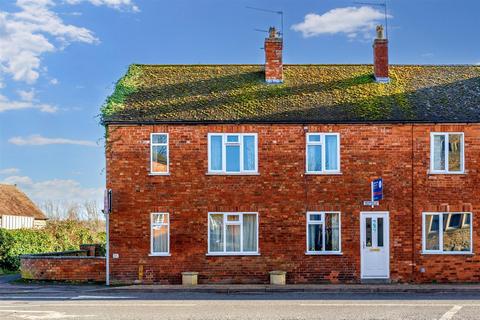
point(56, 236)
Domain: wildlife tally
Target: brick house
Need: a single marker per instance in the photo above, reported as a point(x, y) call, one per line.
point(233, 171)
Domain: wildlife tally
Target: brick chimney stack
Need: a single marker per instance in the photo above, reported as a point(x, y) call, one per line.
point(273, 57)
point(380, 57)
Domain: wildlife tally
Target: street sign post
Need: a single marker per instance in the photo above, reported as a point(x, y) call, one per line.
point(371, 203)
point(107, 201)
point(107, 209)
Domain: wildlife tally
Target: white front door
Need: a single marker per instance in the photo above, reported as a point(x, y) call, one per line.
point(374, 245)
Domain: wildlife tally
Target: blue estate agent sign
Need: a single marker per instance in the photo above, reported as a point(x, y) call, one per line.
point(377, 189)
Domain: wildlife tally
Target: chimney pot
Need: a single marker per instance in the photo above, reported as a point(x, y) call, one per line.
point(273, 57)
point(380, 57)
point(272, 33)
point(380, 33)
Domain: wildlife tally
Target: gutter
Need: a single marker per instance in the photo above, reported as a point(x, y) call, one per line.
point(293, 122)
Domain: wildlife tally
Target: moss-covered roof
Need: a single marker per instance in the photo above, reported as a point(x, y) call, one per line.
point(310, 93)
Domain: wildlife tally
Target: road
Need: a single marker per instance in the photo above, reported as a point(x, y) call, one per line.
point(86, 303)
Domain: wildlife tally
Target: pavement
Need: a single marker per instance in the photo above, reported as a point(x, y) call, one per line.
point(66, 301)
point(318, 288)
point(4, 279)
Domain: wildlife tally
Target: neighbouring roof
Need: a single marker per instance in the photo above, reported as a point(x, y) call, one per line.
point(310, 93)
point(14, 202)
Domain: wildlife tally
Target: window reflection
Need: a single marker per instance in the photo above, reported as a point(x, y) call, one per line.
point(456, 232)
point(454, 152)
point(432, 232)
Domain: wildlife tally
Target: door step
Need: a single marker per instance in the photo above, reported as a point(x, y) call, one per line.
point(375, 281)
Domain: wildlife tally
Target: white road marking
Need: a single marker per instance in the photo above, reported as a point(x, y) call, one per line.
point(100, 297)
point(38, 315)
point(79, 303)
point(367, 304)
point(34, 297)
point(88, 304)
point(450, 313)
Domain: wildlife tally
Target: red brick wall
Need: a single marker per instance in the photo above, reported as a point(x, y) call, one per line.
point(451, 193)
point(81, 269)
point(282, 194)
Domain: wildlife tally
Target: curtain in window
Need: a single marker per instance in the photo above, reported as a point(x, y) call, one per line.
point(249, 232)
point(439, 152)
point(331, 152)
point(315, 240)
point(216, 153)
point(314, 157)
point(233, 158)
point(216, 232)
point(233, 237)
point(249, 153)
point(332, 232)
point(160, 239)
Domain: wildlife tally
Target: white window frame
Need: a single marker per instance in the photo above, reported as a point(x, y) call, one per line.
point(166, 144)
point(224, 153)
point(322, 222)
point(159, 254)
point(324, 153)
point(440, 230)
point(225, 223)
point(432, 152)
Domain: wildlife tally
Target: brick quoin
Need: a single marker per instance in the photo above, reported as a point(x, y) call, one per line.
point(282, 194)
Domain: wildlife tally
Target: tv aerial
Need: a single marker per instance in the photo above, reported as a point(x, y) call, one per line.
point(279, 12)
point(378, 4)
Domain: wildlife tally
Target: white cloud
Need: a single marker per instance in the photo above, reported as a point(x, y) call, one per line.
point(38, 140)
point(34, 30)
point(9, 171)
point(27, 95)
point(351, 21)
point(7, 104)
point(54, 81)
point(116, 4)
point(67, 190)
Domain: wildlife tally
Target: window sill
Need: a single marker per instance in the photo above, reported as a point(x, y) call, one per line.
point(449, 253)
point(227, 254)
point(436, 173)
point(159, 173)
point(336, 173)
point(159, 255)
point(232, 174)
point(310, 253)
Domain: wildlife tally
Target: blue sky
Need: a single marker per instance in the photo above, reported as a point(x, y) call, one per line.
point(60, 59)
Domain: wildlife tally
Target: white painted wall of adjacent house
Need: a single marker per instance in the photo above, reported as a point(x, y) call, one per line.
point(17, 222)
